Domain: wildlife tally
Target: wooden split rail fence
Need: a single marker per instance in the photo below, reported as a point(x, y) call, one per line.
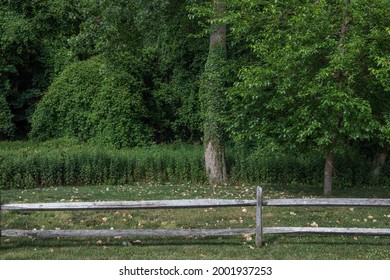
point(259, 203)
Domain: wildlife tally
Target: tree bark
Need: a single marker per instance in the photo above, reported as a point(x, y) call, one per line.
point(212, 99)
point(328, 174)
point(378, 162)
point(215, 163)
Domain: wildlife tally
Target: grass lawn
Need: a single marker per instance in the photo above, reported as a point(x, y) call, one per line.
point(196, 247)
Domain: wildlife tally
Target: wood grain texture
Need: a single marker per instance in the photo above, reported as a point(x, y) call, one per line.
point(259, 217)
point(118, 205)
point(346, 202)
point(327, 231)
point(195, 203)
point(111, 233)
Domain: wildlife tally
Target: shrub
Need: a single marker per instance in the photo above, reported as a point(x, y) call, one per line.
point(93, 104)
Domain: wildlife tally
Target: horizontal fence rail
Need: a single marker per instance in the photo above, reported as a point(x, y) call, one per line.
point(129, 205)
point(195, 203)
point(328, 231)
point(259, 203)
point(331, 202)
point(113, 233)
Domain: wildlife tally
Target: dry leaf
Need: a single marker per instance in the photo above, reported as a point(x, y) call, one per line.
point(247, 237)
point(293, 213)
point(314, 224)
point(99, 242)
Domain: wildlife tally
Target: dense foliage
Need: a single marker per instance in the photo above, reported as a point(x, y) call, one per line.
point(296, 75)
point(67, 162)
point(92, 103)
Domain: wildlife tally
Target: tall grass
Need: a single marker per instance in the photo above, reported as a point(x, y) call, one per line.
point(66, 162)
point(24, 165)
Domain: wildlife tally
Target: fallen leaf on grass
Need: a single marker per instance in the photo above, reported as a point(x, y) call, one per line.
point(293, 213)
point(314, 224)
point(247, 237)
point(99, 242)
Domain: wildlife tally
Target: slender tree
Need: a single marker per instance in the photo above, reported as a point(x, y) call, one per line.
point(212, 96)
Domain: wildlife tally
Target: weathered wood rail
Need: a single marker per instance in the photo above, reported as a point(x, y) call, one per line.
point(259, 203)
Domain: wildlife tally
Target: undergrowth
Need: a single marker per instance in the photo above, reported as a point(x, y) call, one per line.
point(66, 162)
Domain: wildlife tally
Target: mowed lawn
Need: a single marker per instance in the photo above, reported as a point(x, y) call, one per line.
point(194, 247)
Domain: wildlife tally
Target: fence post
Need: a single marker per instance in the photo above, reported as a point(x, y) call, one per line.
point(259, 226)
point(1, 216)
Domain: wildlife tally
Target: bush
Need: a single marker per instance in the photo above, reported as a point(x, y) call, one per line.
point(93, 104)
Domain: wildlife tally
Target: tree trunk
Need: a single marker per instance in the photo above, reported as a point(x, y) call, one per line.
point(328, 172)
point(339, 78)
point(215, 164)
point(212, 99)
point(379, 161)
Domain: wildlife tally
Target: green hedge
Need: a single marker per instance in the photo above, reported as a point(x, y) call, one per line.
point(64, 162)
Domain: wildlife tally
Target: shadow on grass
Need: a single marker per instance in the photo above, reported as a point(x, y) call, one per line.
point(14, 243)
point(269, 240)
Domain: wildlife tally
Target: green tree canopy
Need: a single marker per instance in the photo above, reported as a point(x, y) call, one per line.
point(312, 82)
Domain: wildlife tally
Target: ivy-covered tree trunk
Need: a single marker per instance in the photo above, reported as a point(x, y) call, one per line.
point(212, 96)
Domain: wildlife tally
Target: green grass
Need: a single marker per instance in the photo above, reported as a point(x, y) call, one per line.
point(197, 247)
